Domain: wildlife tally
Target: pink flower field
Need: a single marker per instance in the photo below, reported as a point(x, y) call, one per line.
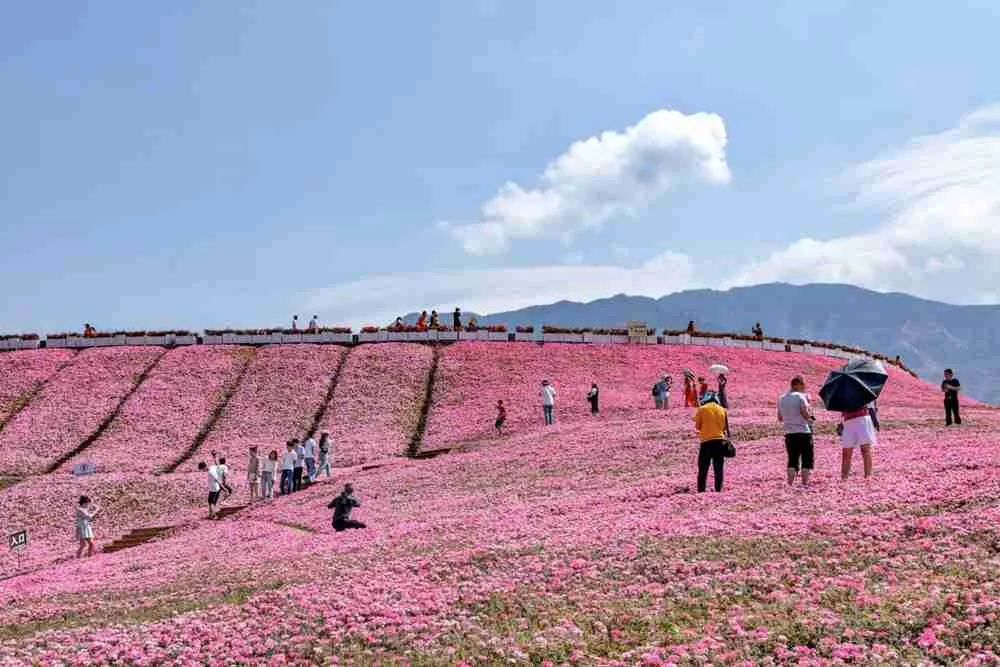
point(377, 402)
point(162, 418)
point(276, 400)
point(582, 543)
point(23, 373)
point(71, 407)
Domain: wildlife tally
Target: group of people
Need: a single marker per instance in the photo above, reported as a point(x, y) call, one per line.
point(433, 321)
point(312, 327)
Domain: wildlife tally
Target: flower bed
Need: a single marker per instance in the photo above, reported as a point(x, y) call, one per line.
point(21, 373)
point(161, 419)
point(277, 400)
point(377, 402)
point(71, 407)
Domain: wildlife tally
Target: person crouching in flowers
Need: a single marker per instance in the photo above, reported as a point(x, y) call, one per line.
point(712, 423)
point(86, 512)
point(342, 506)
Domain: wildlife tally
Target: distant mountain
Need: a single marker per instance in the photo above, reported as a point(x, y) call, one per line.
point(929, 336)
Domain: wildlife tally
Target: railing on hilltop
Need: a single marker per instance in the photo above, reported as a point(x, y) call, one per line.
point(492, 333)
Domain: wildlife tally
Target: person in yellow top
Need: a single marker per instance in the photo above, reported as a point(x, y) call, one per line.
point(712, 422)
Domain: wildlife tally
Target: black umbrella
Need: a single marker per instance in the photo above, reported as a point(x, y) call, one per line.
point(854, 386)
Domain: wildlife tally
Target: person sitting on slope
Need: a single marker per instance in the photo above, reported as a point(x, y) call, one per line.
point(342, 506)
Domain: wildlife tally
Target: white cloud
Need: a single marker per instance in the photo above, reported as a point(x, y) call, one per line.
point(610, 175)
point(379, 299)
point(940, 199)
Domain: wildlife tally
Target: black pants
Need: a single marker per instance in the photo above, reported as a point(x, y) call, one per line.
point(800, 451)
point(712, 453)
point(297, 479)
point(593, 407)
point(344, 524)
point(951, 410)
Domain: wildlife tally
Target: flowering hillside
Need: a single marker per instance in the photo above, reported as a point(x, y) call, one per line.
point(377, 402)
point(161, 419)
point(582, 543)
point(277, 400)
point(71, 407)
point(23, 373)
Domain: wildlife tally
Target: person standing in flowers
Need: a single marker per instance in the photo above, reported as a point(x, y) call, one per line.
point(702, 389)
point(593, 397)
point(668, 383)
point(548, 394)
point(950, 386)
point(269, 467)
point(342, 506)
point(300, 464)
point(214, 486)
point(309, 448)
point(659, 391)
point(253, 474)
point(712, 423)
point(690, 391)
point(86, 512)
point(858, 431)
point(723, 381)
point(288, 468)
point(796, 416)
point(324, 455)
point(501, 417)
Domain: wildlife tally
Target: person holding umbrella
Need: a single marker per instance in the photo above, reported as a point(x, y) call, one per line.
point(721, 372)
point(852, 391)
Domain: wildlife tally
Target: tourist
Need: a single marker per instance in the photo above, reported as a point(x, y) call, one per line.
point(722, 381)
point(288, 468)
point(214, 487)
point(398, 325)
point(309, 449)
point(253, 474)
point(268, 468)
point(659, 390)
point(668, 383)
point(473, 325)
point(950, 386)
point(690, 390)
point(222, 472)
point(435, 321)
point(313, 324)
point(690, 328)
point(712, 423)
point(86, 512)
point(796, 416)
point(422, 321)
point(858, 431)
point(300, 464)
point(456, 319)
point(342, 506)
point(501, 418)
point(593, 396)
point(548, 394)
point(89, 331)
point(758, 331)
point(295, 322)
point(702, 389)
point(324, 455)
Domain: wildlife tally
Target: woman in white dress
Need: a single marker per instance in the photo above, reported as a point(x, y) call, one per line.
point(86, 511)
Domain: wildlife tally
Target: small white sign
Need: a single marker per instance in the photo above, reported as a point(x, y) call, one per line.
point(637, 329)
point(81, 469)
point(18, 541)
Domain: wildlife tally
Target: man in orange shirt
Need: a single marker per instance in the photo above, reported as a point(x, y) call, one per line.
point(712, 423)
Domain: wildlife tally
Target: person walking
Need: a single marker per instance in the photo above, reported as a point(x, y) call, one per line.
point(214, 486)
point(86, 512)
point(712, 423)
point(324, 455)
point(456, 319)
point(796, 416)
point(342, 506)
point(950, 386)
point(300, 464)
point(253, 474)
point(659, 389)
point(269, 467)
point(593, 397)
point(309, 448)
point(723, 380)
point(313, 325)
point(288, 468)
point(548, 393)
point(858, 431)
point(501, 417)
point(295, 322)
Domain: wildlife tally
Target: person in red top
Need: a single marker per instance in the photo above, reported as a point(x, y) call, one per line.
point(702, 389)
point(690, 392)
point(422, 322)
point(501, 418)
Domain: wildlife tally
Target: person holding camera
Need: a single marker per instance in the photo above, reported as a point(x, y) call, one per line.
point(797, 417)
point(86, 512)
point(712, 422)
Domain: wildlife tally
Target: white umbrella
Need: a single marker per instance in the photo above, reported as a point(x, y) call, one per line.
point(718, 369)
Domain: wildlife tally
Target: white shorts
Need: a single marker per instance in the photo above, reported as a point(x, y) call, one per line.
point(858, 431)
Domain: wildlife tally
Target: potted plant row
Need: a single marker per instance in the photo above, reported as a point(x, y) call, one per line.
point(28, 341)
point(277, 335)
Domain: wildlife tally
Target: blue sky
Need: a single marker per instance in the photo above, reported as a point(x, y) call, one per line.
point(212, 164)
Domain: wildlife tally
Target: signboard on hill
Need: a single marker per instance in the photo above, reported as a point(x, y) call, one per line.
point(637, 331)
point(84, 469)
point(18, 541)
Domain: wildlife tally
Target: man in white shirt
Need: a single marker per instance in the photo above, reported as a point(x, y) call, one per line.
point(300, 464)
point(288, 468)
point(309, 449)
point(548, 402)
point(795, 414)
point(214, 486)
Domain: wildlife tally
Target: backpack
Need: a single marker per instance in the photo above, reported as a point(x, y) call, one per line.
point(654, 390)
